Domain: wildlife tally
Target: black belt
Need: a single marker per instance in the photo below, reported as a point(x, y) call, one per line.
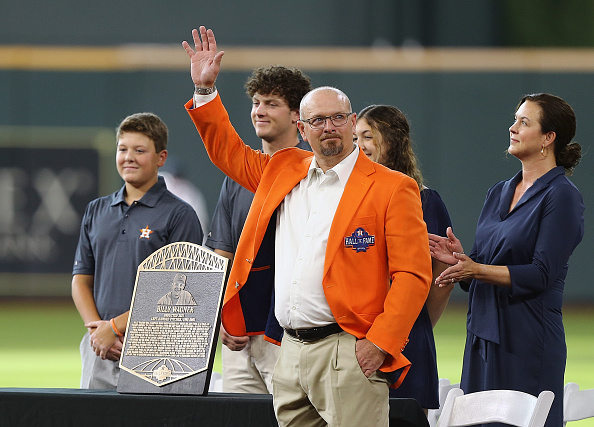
point(314, 334)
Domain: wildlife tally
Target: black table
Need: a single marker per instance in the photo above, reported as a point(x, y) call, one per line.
point(105, 408)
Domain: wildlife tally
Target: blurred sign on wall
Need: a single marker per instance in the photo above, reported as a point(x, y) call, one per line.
point(48, 175)
point(43, 194)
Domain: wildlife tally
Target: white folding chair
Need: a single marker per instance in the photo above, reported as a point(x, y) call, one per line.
point(577, 404)
point(496, 406)
point(444, 387)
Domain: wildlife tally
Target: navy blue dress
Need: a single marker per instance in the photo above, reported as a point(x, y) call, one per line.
point(422, 381)
point(515, 337)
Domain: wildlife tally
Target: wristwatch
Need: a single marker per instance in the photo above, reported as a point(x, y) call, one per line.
point(204, 90)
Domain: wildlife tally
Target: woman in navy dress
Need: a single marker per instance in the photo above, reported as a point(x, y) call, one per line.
point(383, 133)
point(515, 274)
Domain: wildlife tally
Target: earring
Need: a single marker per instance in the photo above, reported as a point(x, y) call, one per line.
point(542, 151)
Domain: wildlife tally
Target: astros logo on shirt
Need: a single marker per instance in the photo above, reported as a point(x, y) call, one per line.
point(145, 232)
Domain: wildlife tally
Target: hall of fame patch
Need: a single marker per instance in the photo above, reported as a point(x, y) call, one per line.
point(360, 240)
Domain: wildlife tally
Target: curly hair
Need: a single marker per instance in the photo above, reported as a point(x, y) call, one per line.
point(558, 116)
point(391, 126)
point(148, 124)
point(289, 83)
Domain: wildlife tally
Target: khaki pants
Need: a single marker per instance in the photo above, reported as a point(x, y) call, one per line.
point(250, 370)
point(321, 384)
point(96, 372)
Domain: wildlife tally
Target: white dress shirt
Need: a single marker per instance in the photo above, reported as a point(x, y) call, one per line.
point(200, 100)
point(303, 224)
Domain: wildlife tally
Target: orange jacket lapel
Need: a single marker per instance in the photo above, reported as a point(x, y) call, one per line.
point(355, 190)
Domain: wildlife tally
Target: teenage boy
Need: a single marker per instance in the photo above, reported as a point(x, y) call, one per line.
point(117, 233)
point(275, 91)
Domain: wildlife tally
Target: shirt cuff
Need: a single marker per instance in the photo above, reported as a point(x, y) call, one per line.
point(380, 349)
point(200, 100)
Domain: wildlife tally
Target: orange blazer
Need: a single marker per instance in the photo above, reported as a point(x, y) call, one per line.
point(376, 293)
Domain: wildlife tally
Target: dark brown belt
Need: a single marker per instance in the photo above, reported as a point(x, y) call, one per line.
point(314, 334)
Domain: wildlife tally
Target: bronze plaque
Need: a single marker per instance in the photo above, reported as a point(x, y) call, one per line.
point(174, 321)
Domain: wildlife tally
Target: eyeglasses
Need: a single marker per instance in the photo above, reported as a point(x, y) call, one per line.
point(338, 119)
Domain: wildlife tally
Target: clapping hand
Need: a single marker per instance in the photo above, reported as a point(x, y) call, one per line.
point(443, 248)
point(449, 250)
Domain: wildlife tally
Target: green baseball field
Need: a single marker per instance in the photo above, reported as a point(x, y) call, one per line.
point(39, 345)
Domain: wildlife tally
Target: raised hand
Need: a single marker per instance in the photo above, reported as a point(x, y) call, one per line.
point(205, 60)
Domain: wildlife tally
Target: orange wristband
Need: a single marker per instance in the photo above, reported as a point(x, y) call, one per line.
point(114, 328)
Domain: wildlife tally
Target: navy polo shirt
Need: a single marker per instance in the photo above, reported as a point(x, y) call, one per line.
point(229, 216)
point(115, 238)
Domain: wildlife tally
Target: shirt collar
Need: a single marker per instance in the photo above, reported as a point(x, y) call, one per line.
point(552, 174)
point(510, 185)
point(149, 199)
point(343, 170)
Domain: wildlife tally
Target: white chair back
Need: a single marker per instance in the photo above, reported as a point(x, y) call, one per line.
point(496, 406)
point(444, 387)
point(577, 404)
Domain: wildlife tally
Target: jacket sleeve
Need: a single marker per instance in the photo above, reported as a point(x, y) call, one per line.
point(409, 264)
point(225, 148)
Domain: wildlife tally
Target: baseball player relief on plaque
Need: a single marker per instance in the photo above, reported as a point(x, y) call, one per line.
point(174, 320)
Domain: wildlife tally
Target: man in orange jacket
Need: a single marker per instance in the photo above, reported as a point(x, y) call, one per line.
point(352, 263)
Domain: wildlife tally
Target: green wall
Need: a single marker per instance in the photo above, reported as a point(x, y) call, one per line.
point(459, 120)
point(460, 126)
